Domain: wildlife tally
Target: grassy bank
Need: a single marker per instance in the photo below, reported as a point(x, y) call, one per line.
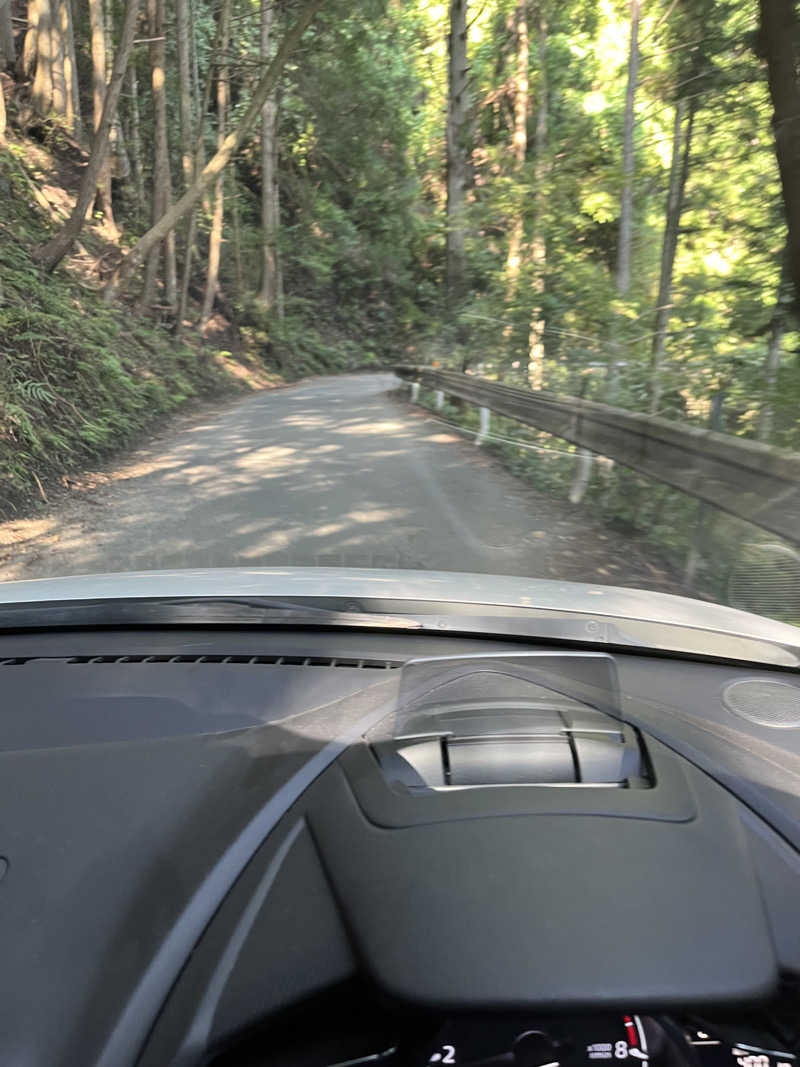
point(79, 380)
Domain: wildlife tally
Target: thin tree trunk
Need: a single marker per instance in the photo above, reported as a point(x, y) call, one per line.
point(96, 23)
point(185, 114)
point(2, 123)
point(519, 149)
point(161, 174)
point(192, 214)
point(185, 92)
point(74, 119)
point(625, 238)
point(136, 136)
point(772, 362)
point(119, 162)
point(51, 254)
point(215, 237)
point(194, 56)
point(7, 49)
point(269, 185)
point(678, 176)
point(538, 243)
point(237, 239)
point(58, 104)
point(628, 162)
point(39, 23)
point(27, 61)
point(221, 157)
point(778, 41)
point(457, 150)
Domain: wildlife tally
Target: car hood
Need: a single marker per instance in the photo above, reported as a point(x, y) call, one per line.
point(636, 616)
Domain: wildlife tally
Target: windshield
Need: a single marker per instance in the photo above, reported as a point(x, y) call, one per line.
point(505, 287)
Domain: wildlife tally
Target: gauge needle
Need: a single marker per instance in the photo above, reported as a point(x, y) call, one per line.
point(637, 1053)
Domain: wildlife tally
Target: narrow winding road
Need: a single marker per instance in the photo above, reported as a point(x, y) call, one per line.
point(331, 472)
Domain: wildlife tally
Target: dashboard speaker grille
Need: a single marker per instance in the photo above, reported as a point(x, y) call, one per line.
point(765, 702)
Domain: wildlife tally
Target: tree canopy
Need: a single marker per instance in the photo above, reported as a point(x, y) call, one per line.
point(585, 197)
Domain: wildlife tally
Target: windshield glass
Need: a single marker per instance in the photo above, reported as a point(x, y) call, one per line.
point(506, 287)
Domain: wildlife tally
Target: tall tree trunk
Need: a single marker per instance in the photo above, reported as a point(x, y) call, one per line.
point(73, 114)
point(192, 214)
point(2, 122)
point(538, 244)
point(51, 254)
point(519, 150)
point(628, 162)
point(678, 176)
point(778, 41)
point(184, 90)
point(8, 55)
point(215, 237)
point(457, 150)
point(98, 32)
point(221, 157)
point(625, 237)
point(237, 239)
point(182, 22)
point(270, 217)
point(38, 55)
point(58, 103)
point(119, 162)
point(136, 136)
point(161, 172)
point(772, 362)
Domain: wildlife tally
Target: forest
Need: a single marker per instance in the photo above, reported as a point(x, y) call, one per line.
point(595, 197)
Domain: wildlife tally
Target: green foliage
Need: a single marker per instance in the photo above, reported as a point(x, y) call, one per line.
point(76, 378)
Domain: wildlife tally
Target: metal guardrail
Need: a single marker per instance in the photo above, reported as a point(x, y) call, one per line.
point(753, 481)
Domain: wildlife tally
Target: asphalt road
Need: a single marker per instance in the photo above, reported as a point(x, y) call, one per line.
point(333, 471)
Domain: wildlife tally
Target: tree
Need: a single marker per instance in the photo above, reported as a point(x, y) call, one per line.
point(215, 238)
point(7, 58)
point(51, 254)
point(779, 45)
point(538, 240)
point(457, 149)
point(270, 293)
point(216, 165)
point(162, 181)
point(777, 328)
point(73, 104)
point(37, 58)
point(184, 90)
point(628, 161)
point(96, 21)
point(8, 52)
point(678, 175)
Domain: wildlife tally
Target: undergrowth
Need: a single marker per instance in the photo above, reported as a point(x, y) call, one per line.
point(77, 378)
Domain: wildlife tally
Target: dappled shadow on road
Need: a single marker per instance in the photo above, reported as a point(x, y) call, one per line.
point(333, 472)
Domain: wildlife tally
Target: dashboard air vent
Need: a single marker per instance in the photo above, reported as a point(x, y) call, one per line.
point(270, 661)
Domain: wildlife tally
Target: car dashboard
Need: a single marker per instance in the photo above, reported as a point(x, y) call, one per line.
point(247, 847)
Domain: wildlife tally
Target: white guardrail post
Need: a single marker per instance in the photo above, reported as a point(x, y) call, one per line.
point(438, 399)
point(414, 392)
point(483, 429)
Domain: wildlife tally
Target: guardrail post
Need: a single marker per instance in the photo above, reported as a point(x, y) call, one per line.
point(438, 399)
point(583, 473)
point(414, 392)
point(483, 430)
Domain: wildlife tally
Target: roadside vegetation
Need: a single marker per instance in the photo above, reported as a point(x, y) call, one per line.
point(585, 197)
